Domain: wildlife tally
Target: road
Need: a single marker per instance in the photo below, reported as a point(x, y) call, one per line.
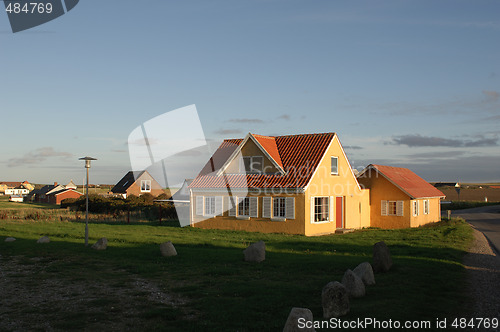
point(486, 219)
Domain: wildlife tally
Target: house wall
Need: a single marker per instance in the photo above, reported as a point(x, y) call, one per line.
point(434, 212)
point(383, 190)
point(250, 149)
point(57, 199)
point(135, 188)
point(259, 224)
point(344, 184)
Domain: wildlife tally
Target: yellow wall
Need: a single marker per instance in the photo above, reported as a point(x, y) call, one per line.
point(264, 225)
point(323, 183)
point(434, 212)
point(250, 149)
point(382, 189)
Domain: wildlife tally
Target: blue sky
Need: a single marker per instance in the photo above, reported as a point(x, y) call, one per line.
point(403, 83)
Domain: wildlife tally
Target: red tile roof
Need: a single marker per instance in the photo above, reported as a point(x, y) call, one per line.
point(299, 155)
point(409, 182)
point(269, 144)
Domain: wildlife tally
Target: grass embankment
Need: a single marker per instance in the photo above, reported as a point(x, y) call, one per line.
point(221, 291)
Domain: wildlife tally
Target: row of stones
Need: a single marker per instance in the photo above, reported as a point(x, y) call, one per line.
point(335, 295)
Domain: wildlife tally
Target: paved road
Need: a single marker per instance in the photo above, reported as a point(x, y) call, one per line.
point(486, 219)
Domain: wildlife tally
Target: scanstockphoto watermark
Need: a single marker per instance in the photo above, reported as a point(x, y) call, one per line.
point(172, 147)
point(379, 324)
point(26, 14)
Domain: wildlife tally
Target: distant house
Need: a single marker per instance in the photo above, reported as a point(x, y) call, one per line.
point(446, 184)
point(71, 185)
point(137, 183)
point(56, 197)
point(400, 198)
point(15, 188)
point(52, 194)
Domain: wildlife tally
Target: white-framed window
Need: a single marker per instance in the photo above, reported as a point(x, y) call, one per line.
point(253, 164)
point(145, 186)
point(415, 208)
point(426, 206)
point(210, 205)
point(279, 207)
point(334, 168)
point(321, 209)
point(244, 207)
point(392, 208)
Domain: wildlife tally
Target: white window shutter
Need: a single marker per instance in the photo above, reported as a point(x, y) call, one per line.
point(312, 209)
point(266, 207)
point(232, 206)
point(218, 205)
point(199, 205)
point(383, 208)
point(332, 209)
point(400, 208)
point(254, 207)
point(290, 208)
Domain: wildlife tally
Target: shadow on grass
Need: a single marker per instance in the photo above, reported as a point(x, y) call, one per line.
point(425, 282)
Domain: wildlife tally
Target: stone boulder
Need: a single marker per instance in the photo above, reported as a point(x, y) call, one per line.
point(365, 272)
point(43, 239)
point(335, 300)
point(167, 249)
point(101, 244)
point(292, 323)
point(382, 260)
point(354, 285)
point(10, 239)
point(256, 252)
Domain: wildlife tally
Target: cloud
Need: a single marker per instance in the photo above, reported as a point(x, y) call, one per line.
point(431, 141)
point(436, 154)
point(352, 147)
point(419, 140)
point(37, 156)
point(493, 95)
point(246, 120)
point(285, 117)
point(228, 131)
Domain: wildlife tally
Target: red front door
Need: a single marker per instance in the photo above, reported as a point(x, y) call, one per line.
point(339, 211)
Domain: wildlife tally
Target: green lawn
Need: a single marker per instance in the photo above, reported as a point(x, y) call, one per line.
point(222, 292)
point(5, 204)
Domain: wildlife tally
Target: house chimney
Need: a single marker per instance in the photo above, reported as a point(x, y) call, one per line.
point(55, 184)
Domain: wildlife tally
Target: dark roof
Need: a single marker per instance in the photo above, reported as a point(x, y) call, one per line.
point(126, 181)
point(55, 193)
point(299, 154)
point(409, 182)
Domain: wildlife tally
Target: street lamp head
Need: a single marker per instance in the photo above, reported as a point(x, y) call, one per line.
point(87, 161)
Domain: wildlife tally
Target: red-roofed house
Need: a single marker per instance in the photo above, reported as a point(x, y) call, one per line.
point(296, 184)
point(400, 198)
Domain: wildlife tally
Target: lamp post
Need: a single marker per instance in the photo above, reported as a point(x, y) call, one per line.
point(87, 166)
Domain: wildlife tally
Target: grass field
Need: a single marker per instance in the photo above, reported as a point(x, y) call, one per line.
point(208, 286)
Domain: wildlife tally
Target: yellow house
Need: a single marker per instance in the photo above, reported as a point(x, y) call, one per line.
point(296, 184)
point(400, 198)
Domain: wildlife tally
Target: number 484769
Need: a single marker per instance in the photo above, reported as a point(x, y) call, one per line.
point(29, 8)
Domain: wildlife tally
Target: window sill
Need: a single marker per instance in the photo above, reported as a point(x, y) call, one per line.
point(278, 219)
point(243, 217)
point(320, 222)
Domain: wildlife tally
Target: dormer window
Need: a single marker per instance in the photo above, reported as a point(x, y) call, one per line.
point(252, 165)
